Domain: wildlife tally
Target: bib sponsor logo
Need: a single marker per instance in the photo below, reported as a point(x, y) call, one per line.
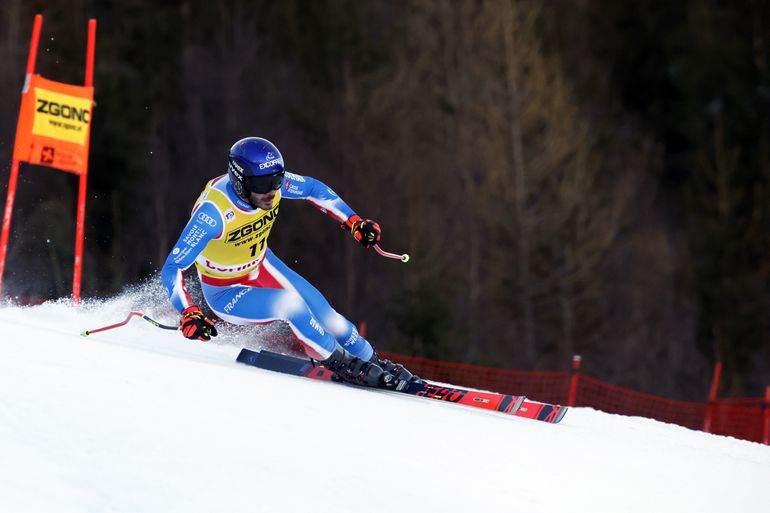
point(247, 229)
point(205, 218)
point(229, 215)
point(230, 269)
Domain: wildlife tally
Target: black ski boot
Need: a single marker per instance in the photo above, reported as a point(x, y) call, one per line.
point(360, 372)
point(400, 372)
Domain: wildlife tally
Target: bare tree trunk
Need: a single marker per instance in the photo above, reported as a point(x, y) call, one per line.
point(759, 36)
point(566, 295)
point(348, 175)
point(520, 188)
point(118, 265)
point(455, 73)
point(12, 24)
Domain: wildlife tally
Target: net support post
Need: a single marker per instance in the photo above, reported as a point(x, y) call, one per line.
point(711, 406)
point(574, 380)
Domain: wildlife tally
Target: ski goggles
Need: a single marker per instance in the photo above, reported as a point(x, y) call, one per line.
point(263, 184)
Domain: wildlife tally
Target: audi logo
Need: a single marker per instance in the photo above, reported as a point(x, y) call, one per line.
point(207, 219)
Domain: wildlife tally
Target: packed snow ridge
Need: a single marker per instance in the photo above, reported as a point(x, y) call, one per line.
point(139, 419)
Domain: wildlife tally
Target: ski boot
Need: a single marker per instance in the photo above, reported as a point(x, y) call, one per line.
point(354, 370)
point(400, 372)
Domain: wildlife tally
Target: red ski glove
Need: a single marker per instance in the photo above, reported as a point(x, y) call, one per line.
point(365, 231)
point(195, 325)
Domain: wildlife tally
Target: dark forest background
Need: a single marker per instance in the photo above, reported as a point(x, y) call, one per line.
point(585, 176)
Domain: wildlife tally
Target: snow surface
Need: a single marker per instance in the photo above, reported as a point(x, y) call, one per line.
point(138, 419)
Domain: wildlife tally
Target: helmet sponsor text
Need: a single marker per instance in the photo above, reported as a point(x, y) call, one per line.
point(270, 163)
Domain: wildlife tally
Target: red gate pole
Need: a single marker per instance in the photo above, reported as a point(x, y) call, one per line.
point(766, 430)
point(573, 380)
point(708, 420)
point(14, 178)
point(80, 227)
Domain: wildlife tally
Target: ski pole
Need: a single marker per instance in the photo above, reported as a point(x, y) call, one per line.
point(404, 258)
point(132, 314)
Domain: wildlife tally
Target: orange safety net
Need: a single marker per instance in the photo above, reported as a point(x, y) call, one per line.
point(551, 387)
point(611, 398)
point(741, 418)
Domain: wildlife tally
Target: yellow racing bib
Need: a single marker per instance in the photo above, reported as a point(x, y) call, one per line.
point(241, 246)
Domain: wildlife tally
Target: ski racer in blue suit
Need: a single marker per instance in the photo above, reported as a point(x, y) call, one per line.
point(244, 282)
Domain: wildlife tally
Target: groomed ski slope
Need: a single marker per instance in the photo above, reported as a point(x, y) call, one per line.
point(138, 419)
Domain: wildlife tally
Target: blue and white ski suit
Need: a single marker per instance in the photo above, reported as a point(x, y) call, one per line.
point(243, 281)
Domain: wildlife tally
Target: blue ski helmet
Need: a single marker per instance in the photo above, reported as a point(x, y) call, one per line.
point(255, 165)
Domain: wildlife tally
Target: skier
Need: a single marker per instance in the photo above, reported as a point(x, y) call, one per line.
point(244, 282)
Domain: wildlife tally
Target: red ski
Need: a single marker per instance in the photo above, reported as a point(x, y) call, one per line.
point(510, 404)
